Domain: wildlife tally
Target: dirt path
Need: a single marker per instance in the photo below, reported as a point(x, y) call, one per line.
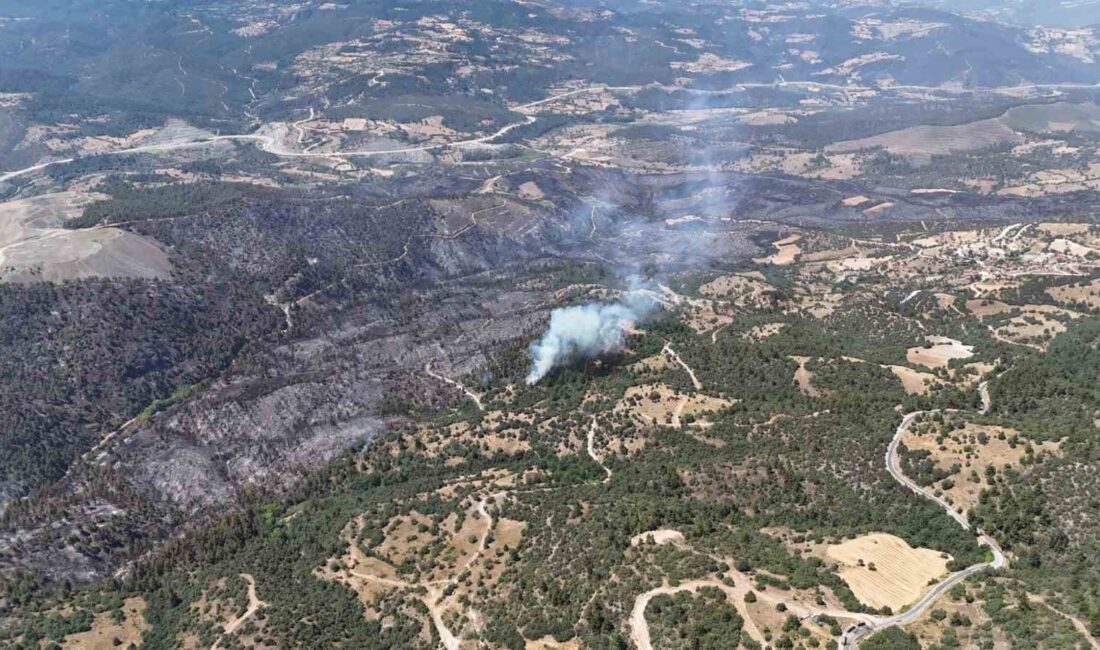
point(283, 306)
point(469, 393)
point(1080, 625)
point(297, 126)
point(639, 627)
point(742, 584)
point(1005, 231)
point(676, 357)
point(592, 449)
point(254, 605)
point(270, 145)
point(434, 592)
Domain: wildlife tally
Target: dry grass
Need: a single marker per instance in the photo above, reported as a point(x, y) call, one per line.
point(914, 382)
point(939, 353)
point(1068, 247)
point(658, 537)
point(951, 238)
point(105, 631)
point(972, 448)
point(923, 142)
point(491, 435)
point(761, 332)
point(656, 364)
point(1036, 326)
point(531, 191)
point(35, 246)
point(1056, 229)
point(658, 404)
point(982, 307)
point(804, 378)
point(929, 631)
point(857, 263)
point(742, 288)
point(884, 571)
point(548, 643)
point(1077, 294)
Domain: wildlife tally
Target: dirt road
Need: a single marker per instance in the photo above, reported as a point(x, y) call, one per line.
point(254, 605)
point(676, 357)
point(742, 584)
point(592, 449)
point(469, 393)
point(270, 145)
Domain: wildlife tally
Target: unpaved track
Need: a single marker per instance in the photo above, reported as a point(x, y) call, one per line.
point(469, 393)
point(1080, 625)
point(742, 584)
point(592, 449)
point(254, 605)
point(676, 357)
point(987, 401)
point(434, 598)
point(270, 145)
point(639, 627)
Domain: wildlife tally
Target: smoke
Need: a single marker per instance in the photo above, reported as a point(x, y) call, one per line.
point(586, 331)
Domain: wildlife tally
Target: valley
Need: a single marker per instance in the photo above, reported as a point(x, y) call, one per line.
point(548, 326)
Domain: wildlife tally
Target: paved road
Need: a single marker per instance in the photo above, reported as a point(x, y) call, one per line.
point(855, 634)
point(270, 145)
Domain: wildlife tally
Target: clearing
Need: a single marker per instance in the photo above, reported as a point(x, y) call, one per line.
point(34, 245)
point(107, 634)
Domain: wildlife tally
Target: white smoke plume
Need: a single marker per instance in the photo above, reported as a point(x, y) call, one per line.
point(586, 331)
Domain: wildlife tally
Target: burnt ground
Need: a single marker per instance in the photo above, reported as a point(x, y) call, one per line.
point(365, 289)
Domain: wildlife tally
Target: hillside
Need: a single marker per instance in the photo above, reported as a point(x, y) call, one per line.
point(551, 325)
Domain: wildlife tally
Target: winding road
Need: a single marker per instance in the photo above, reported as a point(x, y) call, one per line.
point(270, 144)
point(853, 635)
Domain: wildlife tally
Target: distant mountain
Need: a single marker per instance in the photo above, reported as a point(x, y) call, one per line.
point(1055, 13)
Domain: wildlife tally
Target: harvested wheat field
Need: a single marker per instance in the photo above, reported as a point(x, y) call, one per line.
point(914, 382)
point(884, 571)
point(1056, 229)
point(939, 352)
point(786, 250)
